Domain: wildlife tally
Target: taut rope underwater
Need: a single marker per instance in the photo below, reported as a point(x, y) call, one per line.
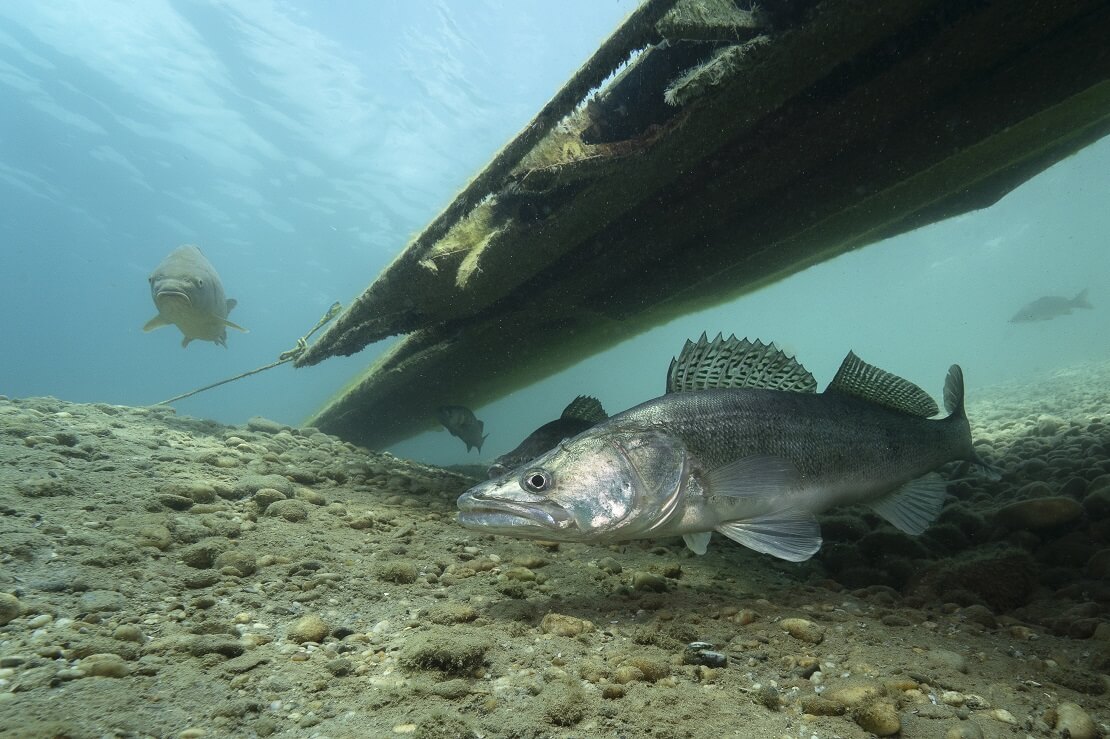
point(286, 356)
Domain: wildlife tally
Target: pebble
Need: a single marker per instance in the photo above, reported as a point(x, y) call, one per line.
point(610, 565)
point(128, 632)
point(563, 625)
point(266, 496)
point(964, 730)
point(947, 659)
point(803, 630)
point(649, 581)
point(702, 653)
point(1040, 513)
point(291, 510)
point(880, 718)
point(308, 628)
point(105, 665)
point(10, 608)
point(1072, 721)
point(98, 601)
point(1002, 715)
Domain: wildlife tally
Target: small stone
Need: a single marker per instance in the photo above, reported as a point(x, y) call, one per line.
point(1003, 716)
point(610, 565)
point(952, 698)
point(803, 630)
point(401, 572)
point(816, 705)
point(964, 730)
point(128, 632)
point(244, 563)
point(339, 667)
point(308, 628)
point(947, 659)
point(1072, 721)
point(1039, 513)
point(1097, 500)
point(854, 693)
point(10, 608)
point(627, 674)
point(265, 496)
point(290, 510)
point(702, 653)
point(880, 718)
point(98, 601)
point(649, 581)
point(312, 497)
point(562, 625)
point(105, 665)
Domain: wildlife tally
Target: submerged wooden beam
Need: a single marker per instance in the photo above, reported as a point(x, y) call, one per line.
point(679, 185)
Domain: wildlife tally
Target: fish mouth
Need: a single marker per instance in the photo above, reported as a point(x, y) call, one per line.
point(491, 514)
point(172, 296)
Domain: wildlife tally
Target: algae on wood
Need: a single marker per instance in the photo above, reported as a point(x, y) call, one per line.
point(680, 186)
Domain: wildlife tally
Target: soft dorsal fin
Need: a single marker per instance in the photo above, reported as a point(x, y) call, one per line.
point(857, 377)
point(585, 408)
point(736, 363)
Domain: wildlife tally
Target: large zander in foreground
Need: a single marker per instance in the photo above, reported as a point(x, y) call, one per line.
point(741, 444)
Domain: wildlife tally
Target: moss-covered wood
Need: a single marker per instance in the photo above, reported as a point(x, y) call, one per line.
point(828, 130)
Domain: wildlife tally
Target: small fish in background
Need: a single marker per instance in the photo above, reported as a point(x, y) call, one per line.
point(743, 445)
point(462, 423)
point(188, 294)
point(1049, 307)
point(579, 415)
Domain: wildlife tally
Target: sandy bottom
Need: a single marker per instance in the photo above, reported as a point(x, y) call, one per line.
point(172, 577)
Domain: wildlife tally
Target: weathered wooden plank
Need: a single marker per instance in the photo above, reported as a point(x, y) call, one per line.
point(791, 154)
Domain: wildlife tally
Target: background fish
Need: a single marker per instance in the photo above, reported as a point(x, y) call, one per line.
point(741, 445)
point(461, 422)
point(188, 294)
point(1051, 306)
point(582, 413)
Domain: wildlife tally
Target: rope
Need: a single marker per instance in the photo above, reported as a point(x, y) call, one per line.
point(284, 357)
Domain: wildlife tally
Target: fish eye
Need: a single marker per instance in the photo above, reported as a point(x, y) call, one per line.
point(536, 481)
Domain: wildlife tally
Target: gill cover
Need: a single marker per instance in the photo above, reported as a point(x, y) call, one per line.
point(619, 483)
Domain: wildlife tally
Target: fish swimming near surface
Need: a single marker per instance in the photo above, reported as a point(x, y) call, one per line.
point(579, 415)
point(462, 423)
point(188, 294)
point(1049, 307)
point(741, 444)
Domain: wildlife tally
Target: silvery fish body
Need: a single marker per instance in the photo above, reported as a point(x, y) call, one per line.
point(752, 463)
point(188, 294)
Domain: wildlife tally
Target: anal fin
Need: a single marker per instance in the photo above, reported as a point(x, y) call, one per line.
point(790, 534)
point(915, 505)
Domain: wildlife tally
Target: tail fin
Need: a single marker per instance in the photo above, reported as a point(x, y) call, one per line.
point(1080, 300)
point(954, 404)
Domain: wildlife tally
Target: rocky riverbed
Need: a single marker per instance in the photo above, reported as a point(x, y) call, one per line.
point(165, 576)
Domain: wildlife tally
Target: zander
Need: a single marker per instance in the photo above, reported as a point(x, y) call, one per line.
point(741, 444)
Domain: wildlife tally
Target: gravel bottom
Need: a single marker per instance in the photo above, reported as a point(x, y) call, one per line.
point(172, 577)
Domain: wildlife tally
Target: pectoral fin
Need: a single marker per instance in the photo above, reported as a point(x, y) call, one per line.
point(156, 322)
point(790, 534)
point(698, 543)
point(915, 505)
point(754, 476)
point(236, 326)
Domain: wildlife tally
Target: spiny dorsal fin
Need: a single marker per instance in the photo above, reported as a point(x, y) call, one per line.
point(857, 377)
point(735, 363)
point(585, 408)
